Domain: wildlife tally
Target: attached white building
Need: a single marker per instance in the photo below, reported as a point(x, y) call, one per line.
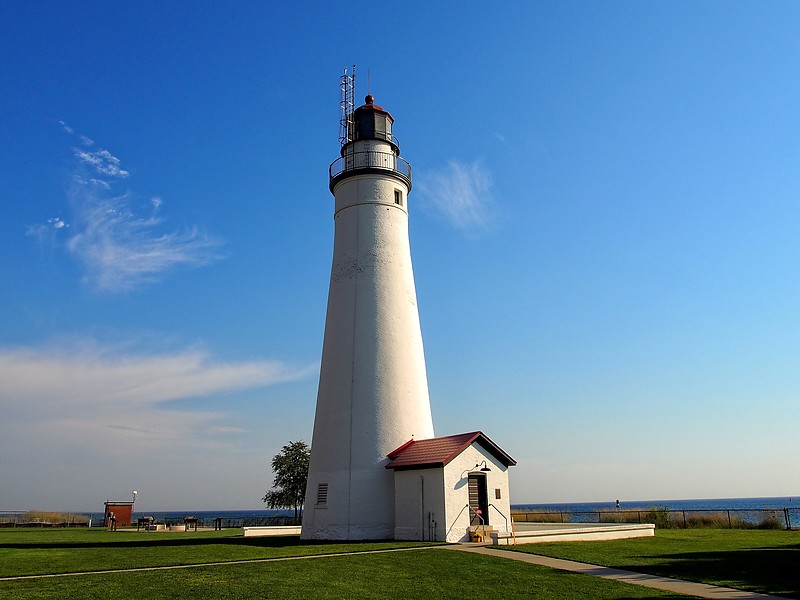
point(446, 486)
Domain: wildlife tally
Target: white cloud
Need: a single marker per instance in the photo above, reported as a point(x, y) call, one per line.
point(461, 193)
point(93, 395)
point(120, 248)
point(102, 161)
point(45, 233)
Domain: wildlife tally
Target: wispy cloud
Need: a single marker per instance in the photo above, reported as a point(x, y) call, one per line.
point(45, 233)
point(121, 250)
point(102, 161)
point(121, 244)
point(94, 394)
point(461, 193)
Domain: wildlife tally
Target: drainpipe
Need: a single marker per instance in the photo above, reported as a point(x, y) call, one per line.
point(422, 507)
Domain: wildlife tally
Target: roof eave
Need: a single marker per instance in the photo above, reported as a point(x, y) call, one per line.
point(416, 466)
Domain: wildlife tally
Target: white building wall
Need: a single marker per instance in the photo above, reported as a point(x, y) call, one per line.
point(419, 505)
point(456, 525)
point(373, 389)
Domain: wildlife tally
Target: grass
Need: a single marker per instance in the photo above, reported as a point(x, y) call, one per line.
point(754, 560)
point(425, 573)
point(762, 561)
point(36, 551)
point(422, 573)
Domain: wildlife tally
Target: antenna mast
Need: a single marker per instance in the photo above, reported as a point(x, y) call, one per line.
point(347, 89)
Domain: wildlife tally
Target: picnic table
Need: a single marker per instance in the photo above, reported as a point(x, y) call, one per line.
point(189, 523)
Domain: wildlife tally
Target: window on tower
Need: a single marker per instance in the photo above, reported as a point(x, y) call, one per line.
point(380, 127)
point(398, 197)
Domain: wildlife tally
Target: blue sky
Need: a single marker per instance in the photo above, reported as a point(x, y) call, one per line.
point(603, 226)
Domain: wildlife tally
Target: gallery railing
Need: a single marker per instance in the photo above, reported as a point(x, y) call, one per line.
point(369, 161)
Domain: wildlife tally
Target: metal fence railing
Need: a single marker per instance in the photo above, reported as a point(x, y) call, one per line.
point(733, 518)
point(24, 518)
point(224, 523)
point(370, 160)
point(45, 520)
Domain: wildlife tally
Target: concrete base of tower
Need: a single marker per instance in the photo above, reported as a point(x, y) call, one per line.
point(347, 533)
point(408, 533)
point(348, 504)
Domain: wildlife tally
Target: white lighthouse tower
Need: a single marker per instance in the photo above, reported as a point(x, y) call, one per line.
point(373, 387)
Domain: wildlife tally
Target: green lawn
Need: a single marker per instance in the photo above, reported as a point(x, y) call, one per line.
point(762, 561)
point(426, 573)
point(41, 551)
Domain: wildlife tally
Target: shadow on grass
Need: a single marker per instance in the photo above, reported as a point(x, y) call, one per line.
point(771, 569)
point(257, 542)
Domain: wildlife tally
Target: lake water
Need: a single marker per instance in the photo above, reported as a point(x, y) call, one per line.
point(703, 504)
point(572, 507)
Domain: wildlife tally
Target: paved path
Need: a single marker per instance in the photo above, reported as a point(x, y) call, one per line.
point(677, 586)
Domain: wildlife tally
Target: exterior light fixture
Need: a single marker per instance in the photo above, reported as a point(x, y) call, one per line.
point(484, 469)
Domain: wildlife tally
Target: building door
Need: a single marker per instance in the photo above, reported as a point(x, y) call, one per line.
point(478, 499)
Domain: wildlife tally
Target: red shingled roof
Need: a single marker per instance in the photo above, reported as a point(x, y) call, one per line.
point(437, 452)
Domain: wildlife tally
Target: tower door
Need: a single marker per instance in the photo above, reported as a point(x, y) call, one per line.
point(478, 499)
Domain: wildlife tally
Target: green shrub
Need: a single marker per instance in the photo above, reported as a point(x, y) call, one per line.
point(659, 516)
point(771, 522)
point(714, 520)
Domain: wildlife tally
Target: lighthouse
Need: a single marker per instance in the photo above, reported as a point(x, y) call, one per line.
point(373, 388)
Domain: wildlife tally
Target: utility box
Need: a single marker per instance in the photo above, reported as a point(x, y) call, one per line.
point(117, 513)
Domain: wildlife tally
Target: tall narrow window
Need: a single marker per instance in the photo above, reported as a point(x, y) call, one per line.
point(398, 197)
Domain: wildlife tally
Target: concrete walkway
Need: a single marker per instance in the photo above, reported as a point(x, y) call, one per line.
point(677, 586)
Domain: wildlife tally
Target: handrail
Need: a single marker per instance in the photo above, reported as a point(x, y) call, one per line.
point(449, 529)
point(483, 523)
point(477, 514)
point(513, 534)
point(501, 514)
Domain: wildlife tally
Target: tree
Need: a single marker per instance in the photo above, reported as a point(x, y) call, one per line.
point(290, 466)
